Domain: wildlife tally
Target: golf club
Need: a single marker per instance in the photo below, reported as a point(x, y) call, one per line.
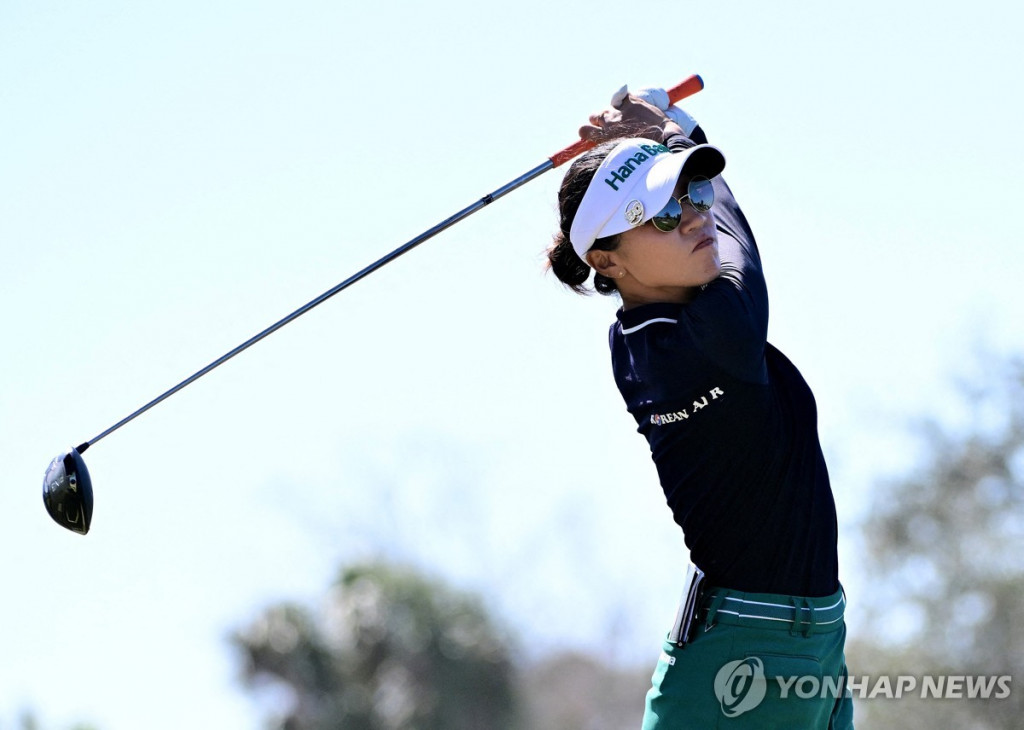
point(67, 488)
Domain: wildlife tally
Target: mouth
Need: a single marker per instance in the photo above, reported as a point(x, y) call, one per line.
point(709, 241)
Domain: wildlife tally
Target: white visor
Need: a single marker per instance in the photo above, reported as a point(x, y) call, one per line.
point(634, 182)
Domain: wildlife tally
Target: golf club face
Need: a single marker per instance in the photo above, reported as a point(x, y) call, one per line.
point(67, 492)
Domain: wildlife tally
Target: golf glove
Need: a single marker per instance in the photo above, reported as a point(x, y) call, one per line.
point(659, 98)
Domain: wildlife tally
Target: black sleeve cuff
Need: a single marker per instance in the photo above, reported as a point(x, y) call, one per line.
point(680, 141)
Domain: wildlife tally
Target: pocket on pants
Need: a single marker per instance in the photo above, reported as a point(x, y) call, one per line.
point(786, 669)
point(780, 690)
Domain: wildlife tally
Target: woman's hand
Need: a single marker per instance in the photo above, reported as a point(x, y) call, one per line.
point(632, 117)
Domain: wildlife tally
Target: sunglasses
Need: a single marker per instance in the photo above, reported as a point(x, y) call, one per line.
point(699, 194)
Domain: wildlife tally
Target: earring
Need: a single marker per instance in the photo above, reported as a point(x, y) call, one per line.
point(621, 274)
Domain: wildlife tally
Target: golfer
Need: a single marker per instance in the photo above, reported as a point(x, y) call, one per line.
point(731, 424)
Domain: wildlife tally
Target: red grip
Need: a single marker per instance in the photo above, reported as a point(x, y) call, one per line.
point(576, 148)
point(688, 87)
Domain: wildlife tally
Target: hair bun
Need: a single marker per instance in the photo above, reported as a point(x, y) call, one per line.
point(570, 269)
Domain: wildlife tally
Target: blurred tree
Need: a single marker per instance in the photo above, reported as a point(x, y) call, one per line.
point(946, 551)
point(391, 651)
point(574, 691)
point(27, 720)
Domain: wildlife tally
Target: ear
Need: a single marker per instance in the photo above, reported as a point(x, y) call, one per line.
point(605, 263)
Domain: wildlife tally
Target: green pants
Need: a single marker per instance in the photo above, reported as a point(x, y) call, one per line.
point(757, 661)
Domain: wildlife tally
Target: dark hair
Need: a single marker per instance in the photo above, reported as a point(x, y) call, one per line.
point(563, 260)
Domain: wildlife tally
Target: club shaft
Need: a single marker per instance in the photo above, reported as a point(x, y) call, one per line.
point(447, 223)
point(687, 87)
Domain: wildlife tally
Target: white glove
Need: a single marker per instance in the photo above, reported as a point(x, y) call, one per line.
point(659, 98)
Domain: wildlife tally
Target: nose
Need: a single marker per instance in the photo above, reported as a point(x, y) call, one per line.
point(693, 220)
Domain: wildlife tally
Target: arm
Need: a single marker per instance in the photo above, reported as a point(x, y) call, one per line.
point(730, 317)
point(728, 320)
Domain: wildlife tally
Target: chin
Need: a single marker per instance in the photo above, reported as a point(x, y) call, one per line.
point(712, 275)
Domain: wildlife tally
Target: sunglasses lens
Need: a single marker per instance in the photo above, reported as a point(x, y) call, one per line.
point(667, 219)
point(701, 194)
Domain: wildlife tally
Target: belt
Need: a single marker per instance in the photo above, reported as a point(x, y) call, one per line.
point(796, 614)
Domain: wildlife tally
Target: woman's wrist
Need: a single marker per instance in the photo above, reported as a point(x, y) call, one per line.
point(670, 129)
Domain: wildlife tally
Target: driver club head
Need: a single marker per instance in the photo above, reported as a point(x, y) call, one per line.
point(67, 492)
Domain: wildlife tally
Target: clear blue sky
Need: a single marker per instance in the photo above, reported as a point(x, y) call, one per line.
point(177, 176)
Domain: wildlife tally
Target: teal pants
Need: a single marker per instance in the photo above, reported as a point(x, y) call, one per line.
point(756, 661)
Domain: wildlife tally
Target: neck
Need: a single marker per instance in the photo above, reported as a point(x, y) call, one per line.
point(675, 295)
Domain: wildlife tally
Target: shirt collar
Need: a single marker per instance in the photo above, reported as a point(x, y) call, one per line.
point(632, 320)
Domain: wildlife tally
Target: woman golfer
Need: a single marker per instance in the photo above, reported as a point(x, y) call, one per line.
point(731, 424)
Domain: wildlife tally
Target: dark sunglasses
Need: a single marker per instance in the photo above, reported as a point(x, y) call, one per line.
point(699, 194)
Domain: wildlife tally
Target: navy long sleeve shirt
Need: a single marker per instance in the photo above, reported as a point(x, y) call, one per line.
point(732, 425)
